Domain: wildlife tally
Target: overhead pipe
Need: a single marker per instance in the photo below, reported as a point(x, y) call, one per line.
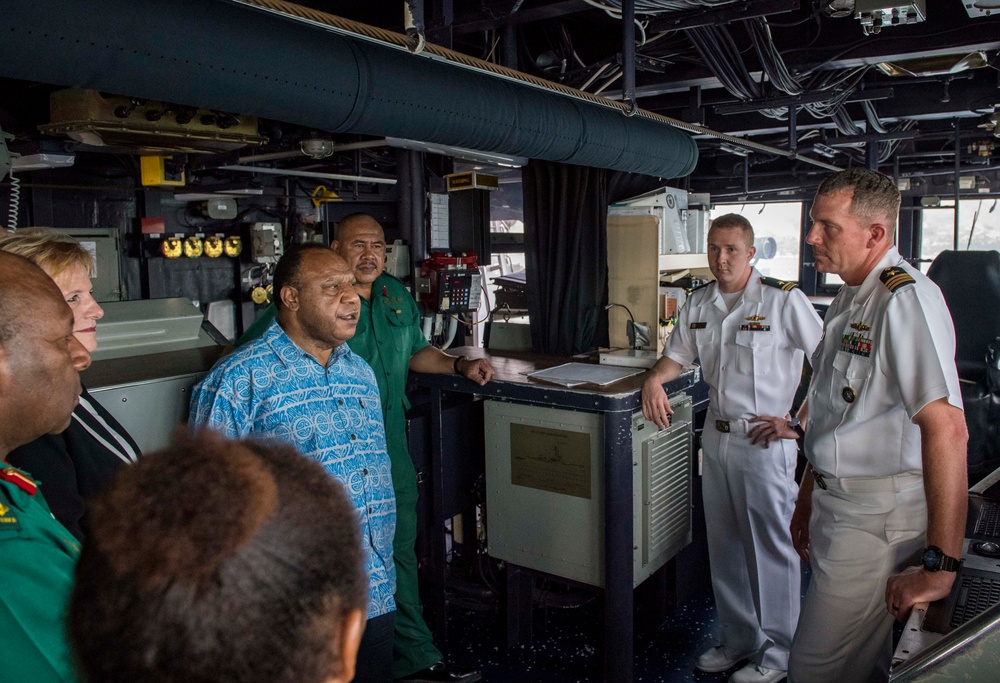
point(267, 170)
point(285, 62)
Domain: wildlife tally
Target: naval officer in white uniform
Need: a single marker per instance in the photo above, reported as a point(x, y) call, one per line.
point(751, 334)
point(886, 441)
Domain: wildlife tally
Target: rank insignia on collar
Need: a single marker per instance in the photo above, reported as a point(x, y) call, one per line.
point(3, 510)
point(756, 318)
point(860, 327)
point(9, 474)
point(895, 277)
point(698, 326)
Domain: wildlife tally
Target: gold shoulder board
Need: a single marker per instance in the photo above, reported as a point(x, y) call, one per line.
point(783, 285)
point(895, 277)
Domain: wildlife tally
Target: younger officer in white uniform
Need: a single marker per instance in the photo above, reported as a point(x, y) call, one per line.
point(751, 334)
point(885, 426)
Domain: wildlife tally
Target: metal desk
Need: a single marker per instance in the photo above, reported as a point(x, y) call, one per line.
point(616, 403)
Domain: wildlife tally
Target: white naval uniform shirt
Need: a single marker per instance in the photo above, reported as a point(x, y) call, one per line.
point(884, 356)
point(751, 356)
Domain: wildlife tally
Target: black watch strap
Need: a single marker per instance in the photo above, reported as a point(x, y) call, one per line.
point(796, 426)
point(949, 564)
point(454, 366)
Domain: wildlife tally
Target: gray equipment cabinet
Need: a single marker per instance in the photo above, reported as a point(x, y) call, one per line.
point(613, 505)
point(545, 489)
point(150, 353)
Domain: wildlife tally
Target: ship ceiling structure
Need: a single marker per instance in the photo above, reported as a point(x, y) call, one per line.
point(774, 92)
point(805, 77)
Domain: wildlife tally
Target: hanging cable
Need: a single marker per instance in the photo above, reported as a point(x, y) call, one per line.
point(972, 230)
point(15, 202)
point(770, 59)
point(873, 120)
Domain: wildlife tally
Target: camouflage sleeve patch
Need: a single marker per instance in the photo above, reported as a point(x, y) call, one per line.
point(783, 285)
point(895, 277)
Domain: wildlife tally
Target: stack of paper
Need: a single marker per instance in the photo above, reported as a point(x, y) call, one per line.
point(575, 374)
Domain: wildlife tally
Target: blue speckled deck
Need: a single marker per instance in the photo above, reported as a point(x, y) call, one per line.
point(566, 641)
point(565, 647)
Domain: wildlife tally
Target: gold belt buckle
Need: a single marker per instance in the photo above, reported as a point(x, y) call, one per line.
point(722, 425)
point(819, 479)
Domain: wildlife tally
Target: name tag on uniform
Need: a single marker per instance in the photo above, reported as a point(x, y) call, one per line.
point(698, 326)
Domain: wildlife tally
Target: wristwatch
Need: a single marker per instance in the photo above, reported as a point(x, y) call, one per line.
point(934, 560)
point(796, 425)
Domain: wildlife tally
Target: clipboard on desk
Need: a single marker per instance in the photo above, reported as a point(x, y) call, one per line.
point(576, 374)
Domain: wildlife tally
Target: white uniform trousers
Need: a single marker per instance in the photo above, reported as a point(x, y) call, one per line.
point(749, 494)
point(862, 531)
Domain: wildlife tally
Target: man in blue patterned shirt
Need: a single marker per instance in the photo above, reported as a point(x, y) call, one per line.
point(302, 384)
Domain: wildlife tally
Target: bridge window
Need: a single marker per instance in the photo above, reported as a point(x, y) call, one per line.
point(978, 228)
point(778, 235)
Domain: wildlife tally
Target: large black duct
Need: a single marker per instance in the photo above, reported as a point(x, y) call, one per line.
point(231, 57)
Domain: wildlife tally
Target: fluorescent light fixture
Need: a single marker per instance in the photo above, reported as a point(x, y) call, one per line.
point(734, 149)
point(824, 150)
point(940, 65)
point(36, 162)
point(473, 155)
point(192, 195)
point(307, 174)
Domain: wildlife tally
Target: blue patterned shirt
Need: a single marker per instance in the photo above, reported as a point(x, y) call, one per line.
point(271, 387)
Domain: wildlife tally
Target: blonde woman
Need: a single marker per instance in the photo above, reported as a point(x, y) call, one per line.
point(79, 462)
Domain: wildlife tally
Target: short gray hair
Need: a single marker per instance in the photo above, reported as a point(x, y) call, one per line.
point(874, 194)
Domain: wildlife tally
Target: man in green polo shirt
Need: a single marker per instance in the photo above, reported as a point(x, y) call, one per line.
point(40, 360)
point(389, 338)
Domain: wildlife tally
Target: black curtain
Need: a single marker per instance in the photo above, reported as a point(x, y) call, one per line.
point(623, 185)
point(566, 253)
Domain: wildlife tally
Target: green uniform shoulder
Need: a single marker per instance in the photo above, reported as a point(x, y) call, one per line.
point(895, 277)
point(13, 484)
point(9, 518)
point(783, 285)
point(390, 282)
point(390, 294)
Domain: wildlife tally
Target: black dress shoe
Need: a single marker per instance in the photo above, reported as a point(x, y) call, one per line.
point(442, 672)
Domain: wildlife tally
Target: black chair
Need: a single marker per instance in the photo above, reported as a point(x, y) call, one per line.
point(970, 282)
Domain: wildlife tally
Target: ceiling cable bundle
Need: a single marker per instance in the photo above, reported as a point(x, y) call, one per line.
point(770, 59)
point(614, 7)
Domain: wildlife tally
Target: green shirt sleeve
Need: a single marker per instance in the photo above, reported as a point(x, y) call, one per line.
point(262, 322)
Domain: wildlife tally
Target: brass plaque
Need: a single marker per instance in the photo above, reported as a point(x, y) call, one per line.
point(550, 459)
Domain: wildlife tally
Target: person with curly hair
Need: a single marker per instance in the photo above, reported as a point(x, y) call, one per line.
point(222, 561)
